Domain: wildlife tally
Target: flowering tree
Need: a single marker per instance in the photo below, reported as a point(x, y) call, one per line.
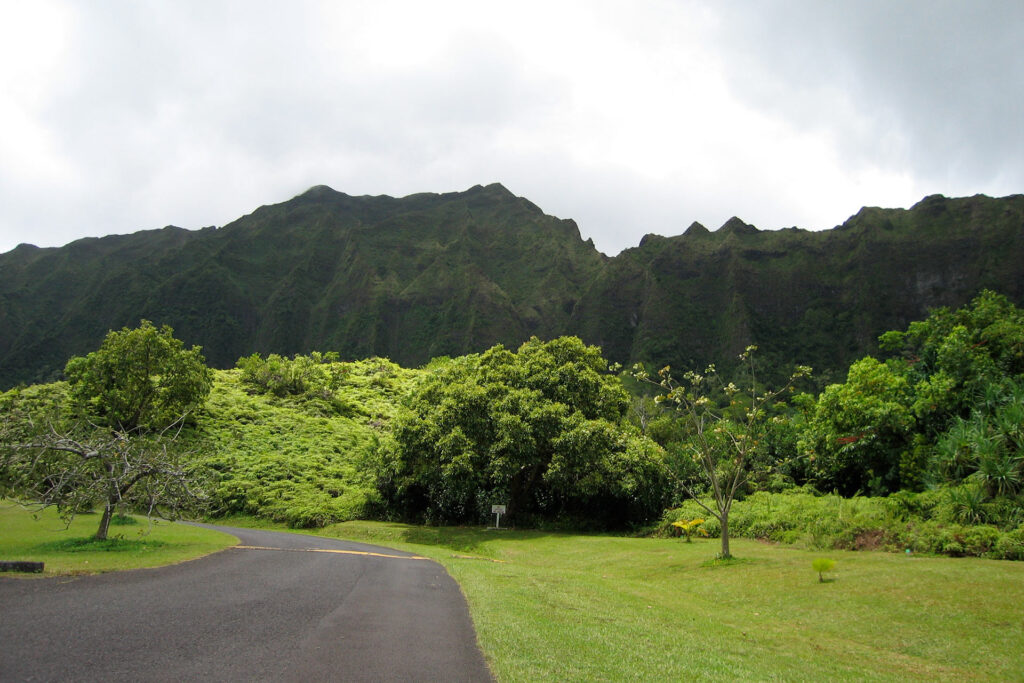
point(723, 439)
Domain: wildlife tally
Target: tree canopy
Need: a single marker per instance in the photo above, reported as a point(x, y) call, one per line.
point(890, 425)
point(116, 446)
point(139, 378)
point(541, 430)
point(79, 466)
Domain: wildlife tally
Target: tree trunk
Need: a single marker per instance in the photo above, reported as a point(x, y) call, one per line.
point(108, 512)
point(725, 536)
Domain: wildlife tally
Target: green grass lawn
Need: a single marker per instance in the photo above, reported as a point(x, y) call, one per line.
point(587, 607)
point(71, 550)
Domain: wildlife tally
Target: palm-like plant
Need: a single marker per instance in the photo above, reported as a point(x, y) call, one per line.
point(968, 503)
point(956, 458)
point(688, 527)
point(998, 469)
point(1009, 421)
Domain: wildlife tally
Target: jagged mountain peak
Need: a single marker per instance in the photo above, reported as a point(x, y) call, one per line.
point(319, 191)
point(491, 188)
point(735, 226)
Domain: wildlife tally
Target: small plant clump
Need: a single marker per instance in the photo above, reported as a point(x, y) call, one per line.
point(689, 527)
point(822, 565)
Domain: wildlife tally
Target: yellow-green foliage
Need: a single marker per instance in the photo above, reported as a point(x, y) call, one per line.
point(822, 565)
point(300, 459)
point(688, 527)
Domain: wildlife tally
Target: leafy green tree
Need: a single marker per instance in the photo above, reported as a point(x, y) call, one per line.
point(991, 326)
point(952, 357)
point(116, 446)
point(893, 425)
point(723, 440)
point(542, 430)
point(856, 431)
point(140, 378)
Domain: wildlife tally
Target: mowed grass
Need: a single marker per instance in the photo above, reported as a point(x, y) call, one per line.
point(71, 550)
point(554, 607)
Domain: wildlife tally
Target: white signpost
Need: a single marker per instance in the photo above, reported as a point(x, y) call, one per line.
point(498, 510)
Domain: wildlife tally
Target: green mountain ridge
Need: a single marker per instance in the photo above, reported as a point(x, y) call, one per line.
point(446, 274)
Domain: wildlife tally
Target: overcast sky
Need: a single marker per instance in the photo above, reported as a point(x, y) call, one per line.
point(629, 117)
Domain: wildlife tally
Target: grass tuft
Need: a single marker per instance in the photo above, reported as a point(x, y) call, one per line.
point(717, 562)
point(110, 544)
point(123, 520)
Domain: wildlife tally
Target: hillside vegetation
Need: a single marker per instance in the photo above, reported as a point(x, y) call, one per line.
point(300, 451)
point(552, 433)
point(449, 274)
point(938, 427)
point(288, 440)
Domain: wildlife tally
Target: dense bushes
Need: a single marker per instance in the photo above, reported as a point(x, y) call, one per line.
point(988, 447)
point(929, 522)
point(292, 439)
point(545, 430)
point(948, 405)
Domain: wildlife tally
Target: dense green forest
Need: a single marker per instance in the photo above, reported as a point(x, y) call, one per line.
point(452, 274)
point(920, 448)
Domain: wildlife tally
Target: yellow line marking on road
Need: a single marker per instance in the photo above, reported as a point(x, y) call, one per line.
point(328, 550)
point(474, 557)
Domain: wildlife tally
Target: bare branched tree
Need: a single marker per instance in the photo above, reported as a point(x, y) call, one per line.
point(78, 468)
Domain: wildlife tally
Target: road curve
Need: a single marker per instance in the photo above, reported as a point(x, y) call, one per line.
point(277, 607)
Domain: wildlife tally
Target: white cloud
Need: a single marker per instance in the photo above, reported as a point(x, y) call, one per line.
point(630, 118)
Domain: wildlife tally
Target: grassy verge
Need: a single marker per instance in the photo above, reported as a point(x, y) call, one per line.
point(133, 544)
point(576, 607)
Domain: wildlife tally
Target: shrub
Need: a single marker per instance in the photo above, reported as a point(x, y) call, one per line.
point(1010, 546)
point(689, 527)
point(822, 565)
point(295, 458)
point(980, 540)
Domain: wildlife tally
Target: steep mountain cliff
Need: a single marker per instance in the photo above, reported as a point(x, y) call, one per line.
point(820, 298)
point(430, 274)
point(408, 278)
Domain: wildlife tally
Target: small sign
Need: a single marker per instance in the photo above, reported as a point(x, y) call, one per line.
point(498, 510)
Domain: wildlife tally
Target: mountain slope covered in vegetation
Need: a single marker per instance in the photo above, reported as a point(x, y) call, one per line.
point(446, 274)
point(818, 298)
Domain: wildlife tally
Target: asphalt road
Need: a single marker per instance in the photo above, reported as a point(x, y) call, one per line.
point(288, 607)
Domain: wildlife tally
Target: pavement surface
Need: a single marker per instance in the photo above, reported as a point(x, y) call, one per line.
point(277, 607)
